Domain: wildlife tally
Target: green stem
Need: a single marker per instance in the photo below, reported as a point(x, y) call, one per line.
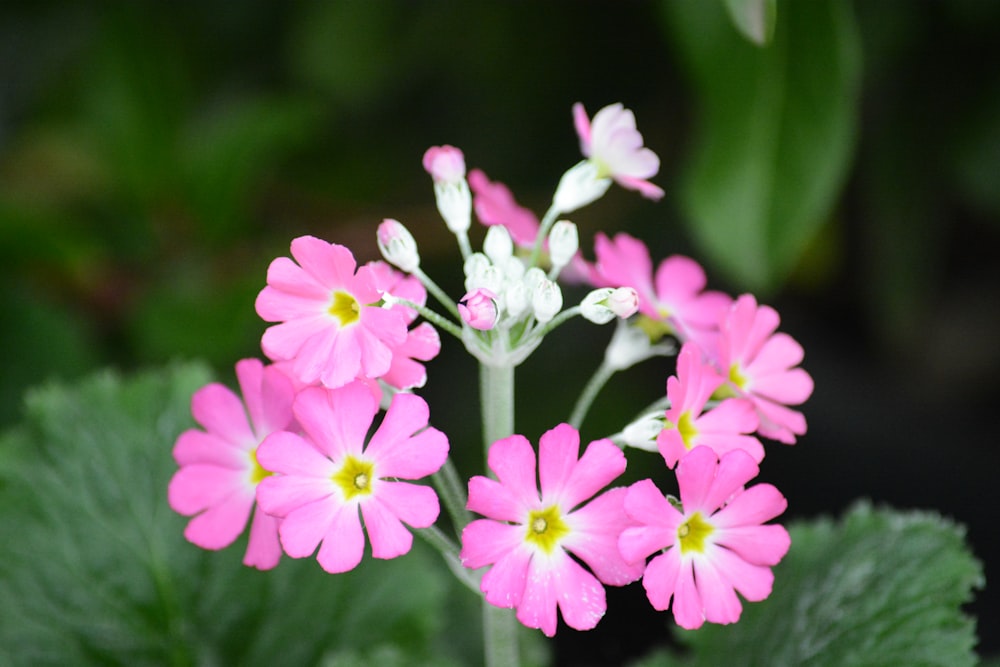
point(497, 397)
point(543, 231)
point(451, 489)
point(432, 317)
point(437, 292)
point(589, 393)
point(449, 551)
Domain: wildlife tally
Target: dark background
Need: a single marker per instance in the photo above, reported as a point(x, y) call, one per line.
point(155, 157)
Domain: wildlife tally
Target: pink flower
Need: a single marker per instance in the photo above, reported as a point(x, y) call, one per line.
point(675, 295)
point(445, 164)
point(219, 471)
point(615, 145)
point(326, 477)
point(479, 309)
point(495, 205)
point(715, 546)
point(422, 342)
point(331, 326)
point(723, 428)
point(528, 537)
point(761, 366)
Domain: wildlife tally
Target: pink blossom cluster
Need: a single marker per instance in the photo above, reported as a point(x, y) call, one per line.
point(325, 448)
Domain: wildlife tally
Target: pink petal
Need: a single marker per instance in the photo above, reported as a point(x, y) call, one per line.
point(390, 445)
point(264, 547)
point(197, 487)
point(736, 468)
point(388, 536)
point(220, 524)
point(282, 342)
point(304, 527)
point(645, 504)
point(414, 504)
point(695, 476)
point(250, 375)
point(593, 538)
point(791, 387)
point(581, 596)
point(492, 499)
point(582, 124)
point(485, 542)
point(758, 545)
point(290, 454)
point(778, 422)
point(625, 261)
point(602, 462)
point(513, 460)
point(344, 543)
point(221, 412)
point(660, 579)
point(717, 595)
point(195, 446)
point(331, 264)
point(287, 278)
point(539, 603)
point(336, 420)
point(689, 611)
point(503, 584)
point(280, 495)
point(671, 446)
point(558, 451)
point(752, 507)
point(277, 393)
point(495, 205)
point(642, 186)
point(678, 280)
point(753, 582)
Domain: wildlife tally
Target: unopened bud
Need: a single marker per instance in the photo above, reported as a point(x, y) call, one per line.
point(604, 304)
point(579, 186)
point(546, 301)
point(643, 432)
point(479, 309)
point(445, 164)
point(397, 245)
point(564, 241)
point(498, 245)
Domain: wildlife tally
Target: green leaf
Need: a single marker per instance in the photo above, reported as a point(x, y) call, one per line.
point(878, 588)
point(777, 130)
point(754, 18)
point(96, 569)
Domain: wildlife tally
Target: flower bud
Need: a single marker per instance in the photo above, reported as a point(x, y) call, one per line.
point(579, 186)
point(642, 433)
point(546, 301)
point(564, 241)
point(454, 203)
point(517, 299)
point(397, 245)
point(498, 245)
point(473, 267)
point(479, 309)
point(623, 302)
point(594, 306)
point(445, 164)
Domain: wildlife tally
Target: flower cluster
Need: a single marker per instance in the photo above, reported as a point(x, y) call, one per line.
point(330, 443)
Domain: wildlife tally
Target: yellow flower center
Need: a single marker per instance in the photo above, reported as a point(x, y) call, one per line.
point(693, 532)
point(354, 478)
point(655, 329)
point(685, 426)
point(258, 473)
point(737, 377)
point(345, 308)
point(546, 528)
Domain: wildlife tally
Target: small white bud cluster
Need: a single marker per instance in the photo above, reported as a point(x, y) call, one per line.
point(605, 304)
point(518, 292)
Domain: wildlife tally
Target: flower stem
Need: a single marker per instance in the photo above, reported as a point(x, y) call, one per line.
point(437, 293)
point(432, 317)
point(589, 393)
point(496, 385)
point(543, 230)
point(452, 491)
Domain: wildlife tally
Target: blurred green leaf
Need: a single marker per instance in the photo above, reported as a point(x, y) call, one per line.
point(754, 18)
point(96, 570)
point(777, 131)
point(877, 588)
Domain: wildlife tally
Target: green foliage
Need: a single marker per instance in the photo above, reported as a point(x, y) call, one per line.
point(754, 18)
point(877, 588)
point(96, 569)
point(776, 136)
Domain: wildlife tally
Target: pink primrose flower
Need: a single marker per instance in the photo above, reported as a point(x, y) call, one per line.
point(330, 324)
point(612, 141)
point(479, 309)
point(422, 342)
point(528, 536)
point(219, 472)
point(445, 164)
point(713, 548)
point(327, 477)
point(761, 366)
point(495, 205)
point(675, 295)
point(723, 428)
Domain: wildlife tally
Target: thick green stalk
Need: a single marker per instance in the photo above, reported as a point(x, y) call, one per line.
point(497, 397)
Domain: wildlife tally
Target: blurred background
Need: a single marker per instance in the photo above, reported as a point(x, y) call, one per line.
point(154, 157)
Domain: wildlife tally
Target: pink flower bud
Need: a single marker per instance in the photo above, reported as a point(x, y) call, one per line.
point(397, 245)
point(479, 309)
point(445, 164)
point(623, 302)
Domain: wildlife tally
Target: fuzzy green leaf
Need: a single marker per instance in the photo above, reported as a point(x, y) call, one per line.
point(96, 569)
point(777, 129)
point(877, 588)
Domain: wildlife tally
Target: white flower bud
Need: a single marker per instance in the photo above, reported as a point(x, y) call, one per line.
point(642, 433)
point(513, 269)
point(534, 277)
point(498, 245)
point(629, 345)
point(564, 241)
point(579, 186)
point(594, 306)
point(517, 298)
point(546, 301)
point(397, 245)
point(623, 302)
point(474, 265)
point(454, 203)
